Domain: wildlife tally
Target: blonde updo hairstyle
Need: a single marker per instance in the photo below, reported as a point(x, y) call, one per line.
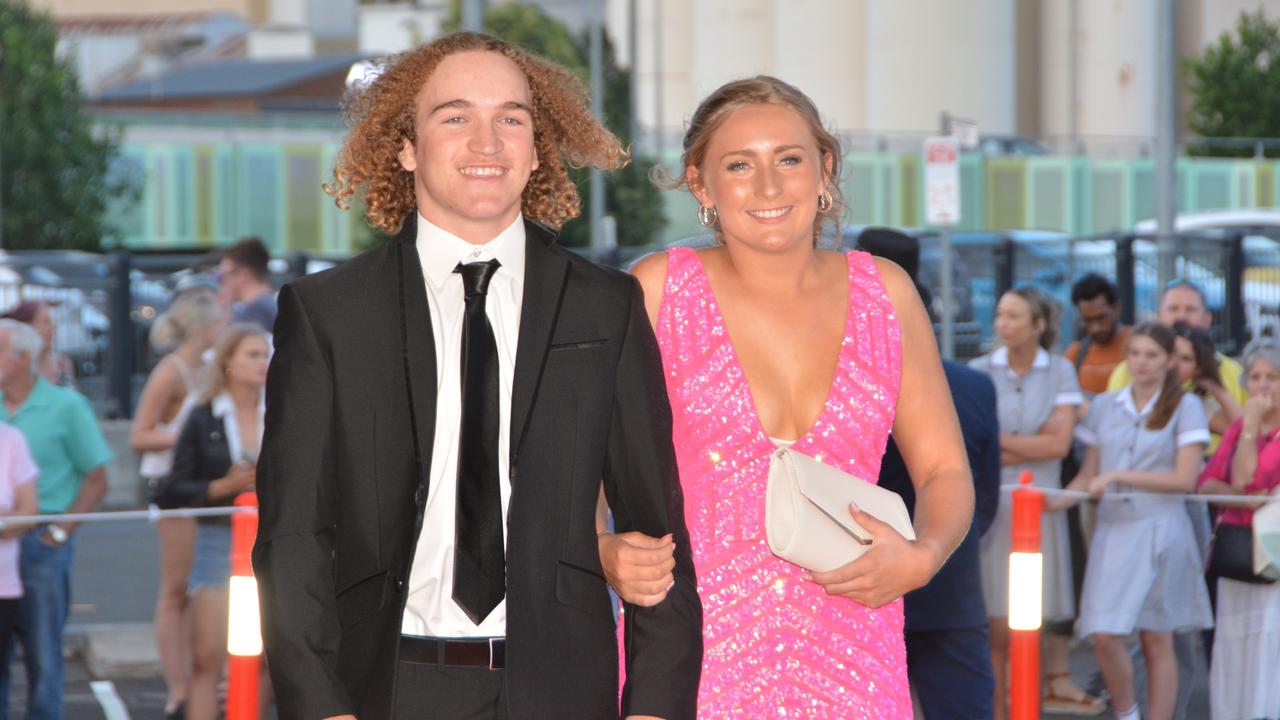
point(190, 311)
point(733, 96)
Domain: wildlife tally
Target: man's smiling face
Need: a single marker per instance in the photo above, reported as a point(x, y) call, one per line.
point(474, 150)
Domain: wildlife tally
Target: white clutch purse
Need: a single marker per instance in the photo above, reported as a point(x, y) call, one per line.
point(806, 512)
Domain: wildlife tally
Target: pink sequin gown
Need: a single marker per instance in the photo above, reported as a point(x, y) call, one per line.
point(776, 645)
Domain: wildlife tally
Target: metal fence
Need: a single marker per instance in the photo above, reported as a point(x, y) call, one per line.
point(1237, 269)
point(104, 305)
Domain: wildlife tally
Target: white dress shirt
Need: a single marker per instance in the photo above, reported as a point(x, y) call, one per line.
point(430, 609)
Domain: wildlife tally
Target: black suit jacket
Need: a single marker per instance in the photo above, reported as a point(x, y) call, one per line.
point(953, 599)
point(342, 482)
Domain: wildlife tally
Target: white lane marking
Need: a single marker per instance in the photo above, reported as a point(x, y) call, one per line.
point(112, 706)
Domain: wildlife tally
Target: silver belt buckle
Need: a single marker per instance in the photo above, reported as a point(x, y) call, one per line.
point(491, 653)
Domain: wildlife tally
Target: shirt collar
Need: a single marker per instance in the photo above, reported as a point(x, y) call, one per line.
point(1126, 402)
point(222, 405)
point(440, 251)
point(38, 396)
point(1001, 357)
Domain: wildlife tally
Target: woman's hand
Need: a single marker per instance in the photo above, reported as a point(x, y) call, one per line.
point(1058, 503)
point(1098, 483)
point(892, 567)
point(1254, 409)
point(240, 478)
point(638, 567)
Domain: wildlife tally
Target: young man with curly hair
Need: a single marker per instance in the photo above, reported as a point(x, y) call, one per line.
point(441, 411)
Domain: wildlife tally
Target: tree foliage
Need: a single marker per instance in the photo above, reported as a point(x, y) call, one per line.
point(55, 168)
point(634, 203)
point(1235, 87)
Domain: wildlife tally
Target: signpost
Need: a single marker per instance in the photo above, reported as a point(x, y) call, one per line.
point(942, 210)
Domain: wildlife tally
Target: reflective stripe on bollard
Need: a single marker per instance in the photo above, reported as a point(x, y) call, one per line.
point(244, 633)
point(1026, 570)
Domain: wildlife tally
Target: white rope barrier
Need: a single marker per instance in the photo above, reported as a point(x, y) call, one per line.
point(151, 514)
point(1216, 499)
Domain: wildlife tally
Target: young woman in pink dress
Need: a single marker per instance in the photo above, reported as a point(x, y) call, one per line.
point(767, 340)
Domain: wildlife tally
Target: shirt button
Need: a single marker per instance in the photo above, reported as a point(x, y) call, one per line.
point(399, 584)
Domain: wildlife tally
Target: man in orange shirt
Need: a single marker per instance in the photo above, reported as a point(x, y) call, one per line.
point(1103, 347)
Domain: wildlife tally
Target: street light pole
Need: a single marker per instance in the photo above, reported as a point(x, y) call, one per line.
point(596, 202)
point(1166, 152)
point(473, 15)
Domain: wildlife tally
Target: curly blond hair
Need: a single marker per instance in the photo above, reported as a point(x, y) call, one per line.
point(382, 116)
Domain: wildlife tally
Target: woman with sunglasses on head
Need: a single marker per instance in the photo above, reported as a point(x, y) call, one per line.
point(769, 341)
point(1144, 447)
point(186, 330)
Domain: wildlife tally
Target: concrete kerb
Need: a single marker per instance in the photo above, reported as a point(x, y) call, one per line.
point(115, 651)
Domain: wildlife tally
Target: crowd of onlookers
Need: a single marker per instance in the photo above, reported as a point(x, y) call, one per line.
point(1134, 416)
point(197, 429)
point(1140, 419)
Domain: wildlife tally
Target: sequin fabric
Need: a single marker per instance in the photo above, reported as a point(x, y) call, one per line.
point(776, 645)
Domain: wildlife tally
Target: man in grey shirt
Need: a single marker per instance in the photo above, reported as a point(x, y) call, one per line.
point(242, 275)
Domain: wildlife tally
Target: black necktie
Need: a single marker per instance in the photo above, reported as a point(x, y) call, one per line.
point(479, 562)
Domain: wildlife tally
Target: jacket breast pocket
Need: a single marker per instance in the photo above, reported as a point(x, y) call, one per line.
point(362, 599)
point(582, 590)
point(586, 351)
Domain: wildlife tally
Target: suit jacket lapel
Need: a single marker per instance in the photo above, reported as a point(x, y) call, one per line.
point(546, 274)
point(419, 350)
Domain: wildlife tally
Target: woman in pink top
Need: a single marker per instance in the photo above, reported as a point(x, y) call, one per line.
point(766, 341)
point(1246, 642)
point(18, 473)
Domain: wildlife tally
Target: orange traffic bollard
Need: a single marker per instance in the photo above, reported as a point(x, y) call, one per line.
point(244, 635)
point(1026, 569)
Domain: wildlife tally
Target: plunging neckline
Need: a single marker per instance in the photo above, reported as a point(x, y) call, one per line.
point(761, 433)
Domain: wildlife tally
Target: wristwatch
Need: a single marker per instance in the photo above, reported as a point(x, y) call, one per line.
point(56, 534)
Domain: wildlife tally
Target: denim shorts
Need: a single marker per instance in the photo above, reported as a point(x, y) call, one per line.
point(211, 560)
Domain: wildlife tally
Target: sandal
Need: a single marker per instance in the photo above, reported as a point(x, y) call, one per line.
point(1078, 703)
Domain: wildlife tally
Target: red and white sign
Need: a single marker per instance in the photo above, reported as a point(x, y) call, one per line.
point(941, 181)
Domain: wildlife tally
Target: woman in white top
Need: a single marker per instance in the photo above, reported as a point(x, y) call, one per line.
point(1144, 446)
point(191, 326)
point(1036, 398)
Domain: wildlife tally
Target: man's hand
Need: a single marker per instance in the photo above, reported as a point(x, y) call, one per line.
point(638, 567)
point(892, 567)
point(341, 717)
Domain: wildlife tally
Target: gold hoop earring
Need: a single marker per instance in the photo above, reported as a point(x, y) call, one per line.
point(826, 201)
point(707, 216)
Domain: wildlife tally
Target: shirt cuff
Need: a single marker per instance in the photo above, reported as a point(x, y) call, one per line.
point(1072, 397)
point(1199, 435)
point(1086, 436)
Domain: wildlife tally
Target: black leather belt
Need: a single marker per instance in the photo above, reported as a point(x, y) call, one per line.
point(481, 652)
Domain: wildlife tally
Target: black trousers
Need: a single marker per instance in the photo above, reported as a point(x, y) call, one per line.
point(427, 691)
point(8, 621)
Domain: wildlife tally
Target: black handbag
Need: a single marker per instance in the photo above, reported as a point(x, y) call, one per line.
point(1231, 556)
